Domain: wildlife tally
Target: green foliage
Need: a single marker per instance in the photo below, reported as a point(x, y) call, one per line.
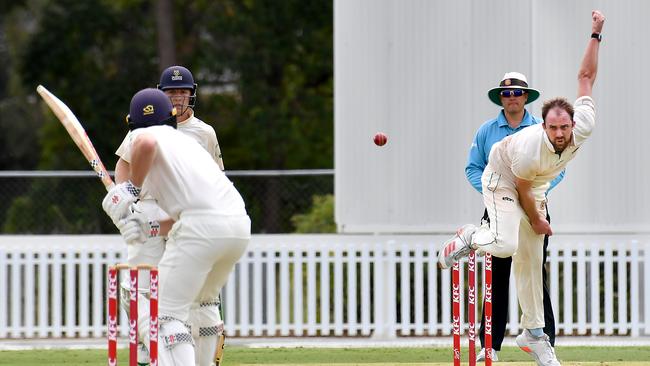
point(278, 57)
point(264, 69)
point(319, 219)
point(86, 54)
point(47, 209)
point(90, 57)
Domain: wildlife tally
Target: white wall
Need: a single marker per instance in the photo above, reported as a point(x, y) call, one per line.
point(420, 70)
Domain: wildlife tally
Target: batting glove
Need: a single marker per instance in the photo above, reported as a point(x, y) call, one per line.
point(137, 228)
point(118, 200)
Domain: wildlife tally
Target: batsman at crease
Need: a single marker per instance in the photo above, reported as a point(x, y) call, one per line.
point(177, 82)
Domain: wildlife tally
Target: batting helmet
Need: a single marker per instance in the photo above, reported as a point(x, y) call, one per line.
point(150, 107)
point(178, 77)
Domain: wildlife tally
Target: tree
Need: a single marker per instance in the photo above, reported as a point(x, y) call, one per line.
point(94, 61)
point(165, 30)
point(265, 78)
point(319, 219)
point(279, 56)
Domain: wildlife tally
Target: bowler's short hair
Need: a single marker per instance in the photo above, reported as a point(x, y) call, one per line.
point(561, 103)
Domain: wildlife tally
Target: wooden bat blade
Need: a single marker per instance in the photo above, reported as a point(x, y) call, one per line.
point(77, 133)
point(220, 344)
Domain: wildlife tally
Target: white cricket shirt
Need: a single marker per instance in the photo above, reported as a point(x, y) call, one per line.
point(529, 154)
point(184, 176)
point(204, 134)
point(200, 131)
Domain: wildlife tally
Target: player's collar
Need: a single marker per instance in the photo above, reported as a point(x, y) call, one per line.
point(187, 120)
point(527, 120)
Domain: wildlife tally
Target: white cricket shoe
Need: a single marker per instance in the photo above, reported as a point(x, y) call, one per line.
point(539, 348)
point(143, 355)
point(457, 247)
point(481, 355)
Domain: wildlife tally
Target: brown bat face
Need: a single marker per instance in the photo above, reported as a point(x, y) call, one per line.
point(77, 133)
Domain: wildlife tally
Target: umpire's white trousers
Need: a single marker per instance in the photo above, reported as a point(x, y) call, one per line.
point(514, 236)
point(201, 251)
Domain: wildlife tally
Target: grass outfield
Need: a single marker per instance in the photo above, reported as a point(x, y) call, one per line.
point(510, 356)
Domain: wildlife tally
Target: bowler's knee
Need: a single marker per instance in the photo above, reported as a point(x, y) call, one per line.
point(504, 249)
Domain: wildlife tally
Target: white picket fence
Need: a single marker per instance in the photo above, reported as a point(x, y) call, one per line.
point(342, 285)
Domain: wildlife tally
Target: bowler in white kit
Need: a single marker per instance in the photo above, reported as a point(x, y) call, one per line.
point(520, 168)
point(211, 229)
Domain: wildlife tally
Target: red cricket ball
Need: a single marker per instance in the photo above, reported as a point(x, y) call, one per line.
point(380, 139)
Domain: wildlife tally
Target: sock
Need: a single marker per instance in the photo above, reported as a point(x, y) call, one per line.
point(537, 332)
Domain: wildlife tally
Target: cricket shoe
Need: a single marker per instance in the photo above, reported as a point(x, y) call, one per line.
point(143, 355)
point(540, 348)
point(481, 355)
point(457, 247)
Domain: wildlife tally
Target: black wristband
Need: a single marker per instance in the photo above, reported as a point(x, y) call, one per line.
point(598, 36)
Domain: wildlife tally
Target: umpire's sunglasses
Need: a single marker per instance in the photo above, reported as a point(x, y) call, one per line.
point(512, 93)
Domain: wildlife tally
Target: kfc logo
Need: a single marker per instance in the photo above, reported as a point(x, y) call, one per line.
point(472, 295)
point(488, 325)
point(456, 322)
point(153, 330)
point(456, 293)
point(133, 325)
point(133, 293)
point(112, 329)
point(112, 285)
point(488, 292)
point(154, 287)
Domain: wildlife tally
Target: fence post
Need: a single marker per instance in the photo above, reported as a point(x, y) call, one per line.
point(384, 284)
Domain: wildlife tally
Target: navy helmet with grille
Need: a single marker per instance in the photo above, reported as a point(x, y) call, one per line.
point(178, 77)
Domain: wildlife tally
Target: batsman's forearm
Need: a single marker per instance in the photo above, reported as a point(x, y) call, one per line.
point(122, 171)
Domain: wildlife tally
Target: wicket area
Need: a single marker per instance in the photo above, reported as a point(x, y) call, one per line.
point(471, 309)
point(113, 283)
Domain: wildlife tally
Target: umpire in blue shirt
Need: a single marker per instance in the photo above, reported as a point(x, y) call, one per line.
point(511, 95)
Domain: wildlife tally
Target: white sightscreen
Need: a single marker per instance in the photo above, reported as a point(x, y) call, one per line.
point(420, 71)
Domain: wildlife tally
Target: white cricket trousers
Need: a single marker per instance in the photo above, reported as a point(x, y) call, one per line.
point(514, 236)
point(201, 251)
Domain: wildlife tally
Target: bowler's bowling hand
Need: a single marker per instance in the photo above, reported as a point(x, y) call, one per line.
point(541, 226)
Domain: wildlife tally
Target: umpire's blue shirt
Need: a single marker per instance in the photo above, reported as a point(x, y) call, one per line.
point(487, 135)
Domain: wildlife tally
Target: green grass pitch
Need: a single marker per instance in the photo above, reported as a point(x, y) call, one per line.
point(510, 356)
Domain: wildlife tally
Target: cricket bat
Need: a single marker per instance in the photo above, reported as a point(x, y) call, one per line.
point(218, 358)
point(77, 133)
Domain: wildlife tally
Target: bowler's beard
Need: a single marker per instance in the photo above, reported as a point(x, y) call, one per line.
point(560, 146)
